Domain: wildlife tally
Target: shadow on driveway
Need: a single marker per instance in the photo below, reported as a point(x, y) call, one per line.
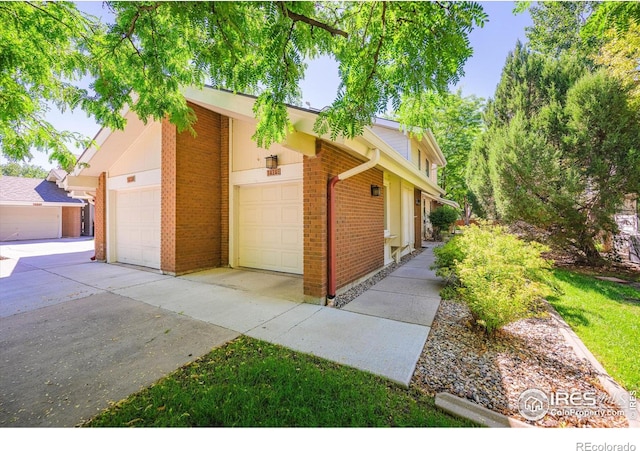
point(70, 348)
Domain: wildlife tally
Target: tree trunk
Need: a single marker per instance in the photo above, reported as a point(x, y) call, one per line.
point(591, 255)
point(467, 213)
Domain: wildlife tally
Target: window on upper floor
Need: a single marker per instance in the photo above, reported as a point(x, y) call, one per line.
point(427, 168)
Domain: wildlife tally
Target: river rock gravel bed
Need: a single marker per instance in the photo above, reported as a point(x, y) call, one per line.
point(494, 371)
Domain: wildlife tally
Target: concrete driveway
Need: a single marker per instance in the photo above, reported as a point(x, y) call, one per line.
point(76, 335)
point(69, 346)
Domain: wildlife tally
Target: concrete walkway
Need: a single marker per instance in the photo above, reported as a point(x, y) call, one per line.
point(409, 294)
point(48, 286)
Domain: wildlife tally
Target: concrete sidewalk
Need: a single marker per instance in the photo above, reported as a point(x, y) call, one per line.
point(383, 331)
point(410, 294)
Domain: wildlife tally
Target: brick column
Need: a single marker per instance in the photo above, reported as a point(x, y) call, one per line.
point(71, 222)
point(194, 209)
point(315, 226)
point(100, 218)
point(224, 191)
point(168, 201)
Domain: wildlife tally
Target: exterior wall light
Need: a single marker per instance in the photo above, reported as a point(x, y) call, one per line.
point(272, 162)
point(375, 190)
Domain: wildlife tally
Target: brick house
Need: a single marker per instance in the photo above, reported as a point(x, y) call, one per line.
point(180, 203)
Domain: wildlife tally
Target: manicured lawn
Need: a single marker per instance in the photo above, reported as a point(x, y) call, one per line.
point(253, 383)
point(606, 317)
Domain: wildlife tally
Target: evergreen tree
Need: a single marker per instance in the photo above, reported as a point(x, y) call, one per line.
point(562, 150)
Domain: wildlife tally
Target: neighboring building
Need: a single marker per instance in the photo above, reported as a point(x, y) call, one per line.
point(32, 209)
point(424, 153)
point(181, 203)
point(629, 227)
point(87, 211)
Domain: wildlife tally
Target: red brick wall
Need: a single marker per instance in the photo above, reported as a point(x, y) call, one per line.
point(359, 220)
point(192, 196)
point(71, 222)
point(224, 191)
point(314, 189)
point(100, 218)
point(168, 201)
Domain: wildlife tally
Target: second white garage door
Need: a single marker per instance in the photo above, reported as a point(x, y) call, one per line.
point(138, 227)
point(271, 227)
point(29, 223)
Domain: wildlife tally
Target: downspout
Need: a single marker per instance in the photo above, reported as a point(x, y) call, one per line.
point(331, 220)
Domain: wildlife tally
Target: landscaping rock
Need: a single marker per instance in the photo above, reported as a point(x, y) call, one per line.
point(493, 371)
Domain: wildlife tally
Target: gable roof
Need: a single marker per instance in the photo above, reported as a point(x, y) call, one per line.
point(113, 144)
point(56, 175)
point(30, 190)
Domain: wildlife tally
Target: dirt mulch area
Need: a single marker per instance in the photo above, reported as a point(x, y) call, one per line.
point(494, 371)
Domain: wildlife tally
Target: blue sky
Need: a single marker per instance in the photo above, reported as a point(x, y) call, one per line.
point(491, 44)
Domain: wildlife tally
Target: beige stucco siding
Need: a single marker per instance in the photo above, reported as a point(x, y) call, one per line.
point(142, 155)
point(247, 155)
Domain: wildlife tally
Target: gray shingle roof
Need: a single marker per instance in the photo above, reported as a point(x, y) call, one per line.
point(21, 189)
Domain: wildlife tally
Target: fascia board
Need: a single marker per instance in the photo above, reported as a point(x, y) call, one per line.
point(18, 203)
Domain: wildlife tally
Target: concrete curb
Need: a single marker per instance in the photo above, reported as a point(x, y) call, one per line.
point(617, 393)
point(466, 409)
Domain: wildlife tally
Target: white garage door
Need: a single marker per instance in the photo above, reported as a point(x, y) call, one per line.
point(29, 223)
point(270, 227)
point(138, 227)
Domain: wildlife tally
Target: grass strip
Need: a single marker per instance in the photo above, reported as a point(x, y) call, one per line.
point(251, 383)
point(606, 317)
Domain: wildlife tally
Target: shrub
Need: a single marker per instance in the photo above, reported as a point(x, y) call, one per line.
point(447, 256)
point(499, 276)
point(442, 218)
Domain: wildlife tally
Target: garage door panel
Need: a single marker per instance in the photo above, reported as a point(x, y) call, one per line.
point(250, 236)
point(291, 192)
point(271, 194)
point(271, 216)
point(138, 227)
point(270, 238)
point(290, 215)
point(270, 259)
point(291, 260)
point(270, 227)
point(250, 215)
point(291, 239)
point(29, 223)
point(148, 238)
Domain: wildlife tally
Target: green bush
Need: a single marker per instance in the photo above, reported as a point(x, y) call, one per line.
point(442, 218)
point(499, 276)
point(447, 256)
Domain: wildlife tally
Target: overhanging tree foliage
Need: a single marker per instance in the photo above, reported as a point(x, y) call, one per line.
point(556, 27)
point(386, 51)
point(41, 57)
